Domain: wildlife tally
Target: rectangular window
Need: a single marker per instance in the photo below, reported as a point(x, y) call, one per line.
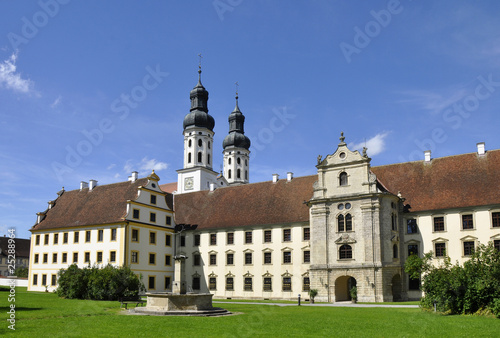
point(412, 226)
point(65, 238)
point(248, 237)
point(168, 260)
point(135, 235)
point(213, 259)
point(100, 235)
point(45, 258)
point(54, 258)
point(152, 237)
point(37, 240)
point(440, 249)
point(153, 199)
point(213, 239)
point(267, 258)
point(113, 234)
point(46, 240)
point(413, 284)
point(495, 219)
point(112, 256)
point(135, 257)
point(307, 256)
point(196, 260)
point(306, 234)
point(248, 258)
point(229, 259)
point(168, 240)
point(183, 240)
point(196, 283)
point(438, 223)
point(467, 222)
point(287, 283)
point(412, 249)
point(167, 283)
point(64, 257)
point(135, 213)
point(230, 238)
point(287, 257)
point(197, 240)
point(468, 248)
point(36, 258)
point(75, 257)
point(267, 236)
point(152, 217)
point(496, 244)
point(169, 220)
point(229, 284)
point(151, 282)
point(306, 284)
point(287, 235)
point(152, 259)
point(248, 283)
point(87, 236)
point(76, 237)
point(86, 257)
point(54, 280)
point(268, 284)
point(44, 280)
point(35, 279)
point(56, 238)
point(99, 257)
point(212, 283)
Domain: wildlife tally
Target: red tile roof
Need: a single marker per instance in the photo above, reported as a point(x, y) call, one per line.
point(104, 204)
point(169, 187)
point(250, 204)
point(449, 182)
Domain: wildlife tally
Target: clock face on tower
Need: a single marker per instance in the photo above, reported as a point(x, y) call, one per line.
point(188, 183)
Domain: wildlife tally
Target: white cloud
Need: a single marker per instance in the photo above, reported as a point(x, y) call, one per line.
point(145, 166)
point(375, 145)
point(433, 102)
point(56, 102)
point(111, 166)
point(12, 80)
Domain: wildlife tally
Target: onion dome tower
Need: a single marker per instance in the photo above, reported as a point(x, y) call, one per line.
point(236, 149)
point(197, 173)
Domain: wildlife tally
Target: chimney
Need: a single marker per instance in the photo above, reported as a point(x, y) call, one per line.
point(289, 176)
point(276, 177)
point(480, 148)
point(212, 187)
point(92, 184)
point(83, 185)
point(427, 155)
point(133, 177)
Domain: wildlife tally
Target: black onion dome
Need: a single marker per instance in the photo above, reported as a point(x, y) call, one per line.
point(236, 137)
point(198, 115)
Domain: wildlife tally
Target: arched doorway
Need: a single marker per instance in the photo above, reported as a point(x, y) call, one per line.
point(396, 288)
point(343, 285)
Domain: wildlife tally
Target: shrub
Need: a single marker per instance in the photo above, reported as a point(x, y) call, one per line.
point(108, 283)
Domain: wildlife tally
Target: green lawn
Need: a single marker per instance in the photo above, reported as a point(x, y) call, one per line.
point(44, 314)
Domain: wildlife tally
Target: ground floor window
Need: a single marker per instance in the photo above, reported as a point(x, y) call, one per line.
point(468, 248)
point(306, 285)
point(248, 283)
point(44, 280)
point(287, 284)
point(151, 282)
point(54, 280)
point(496, 244)
point(167, 283)
point(412, 249)
point(35, 279)
point(212, 285)
point(440, 249)
point(196, 283)
point(268, 284)
point(229, 283)
point(413, 283)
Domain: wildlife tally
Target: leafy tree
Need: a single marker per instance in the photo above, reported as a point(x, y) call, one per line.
point(21, 272)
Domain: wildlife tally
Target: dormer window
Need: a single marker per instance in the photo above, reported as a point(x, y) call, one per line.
point(343, 179)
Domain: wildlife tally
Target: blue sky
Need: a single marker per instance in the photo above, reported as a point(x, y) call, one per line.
point(94, 89)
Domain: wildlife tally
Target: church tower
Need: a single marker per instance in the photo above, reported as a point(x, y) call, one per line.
point(236, 145)
point(197, 173)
